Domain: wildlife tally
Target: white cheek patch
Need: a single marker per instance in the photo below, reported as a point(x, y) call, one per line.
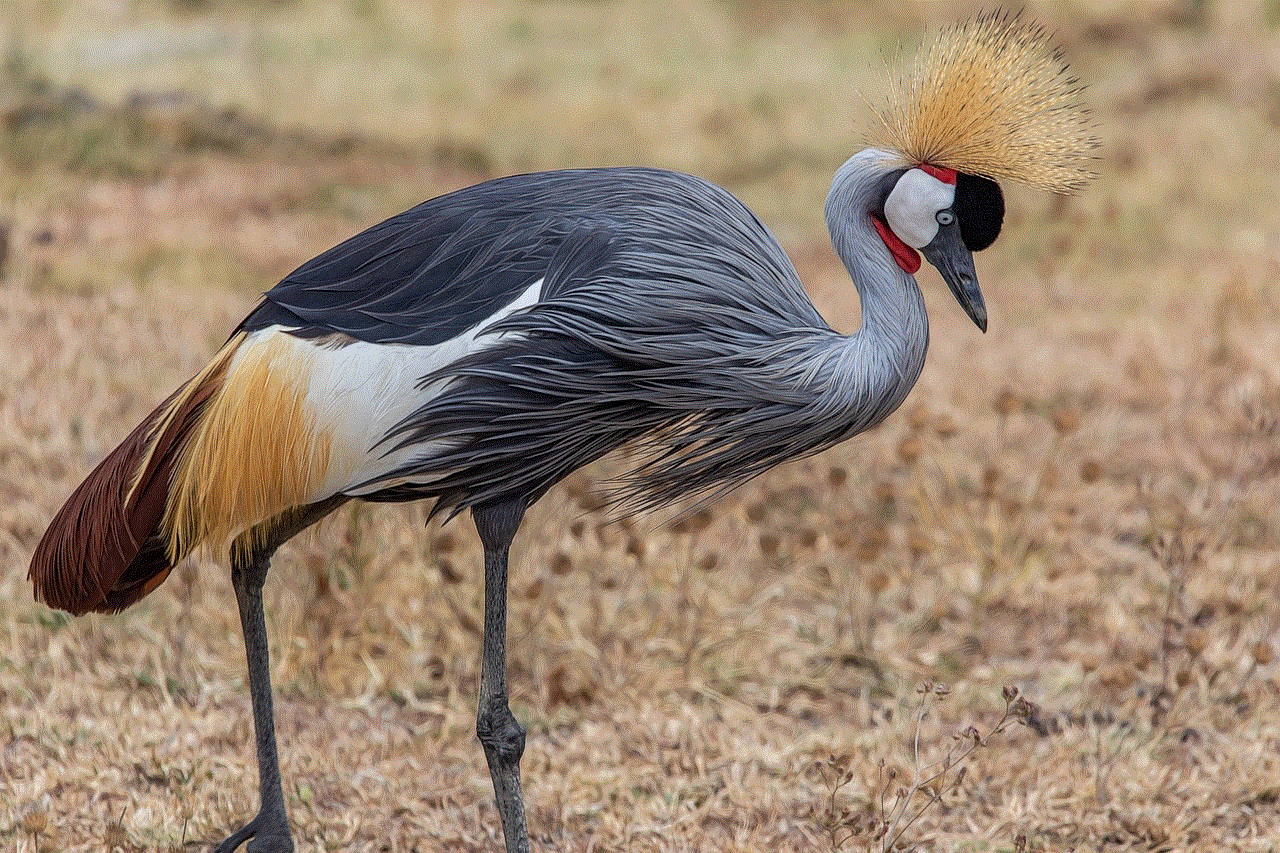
point(912, 207)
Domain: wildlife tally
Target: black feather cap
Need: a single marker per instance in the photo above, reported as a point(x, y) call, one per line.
point(979, 208)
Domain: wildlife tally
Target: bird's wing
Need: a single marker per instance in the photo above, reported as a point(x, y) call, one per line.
point(420, 278)
point(443, 267)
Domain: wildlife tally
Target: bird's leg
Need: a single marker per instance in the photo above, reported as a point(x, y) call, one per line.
point(499, 733)
point(268, 832)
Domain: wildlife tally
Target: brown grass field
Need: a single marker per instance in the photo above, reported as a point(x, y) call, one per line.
point(1080, 505)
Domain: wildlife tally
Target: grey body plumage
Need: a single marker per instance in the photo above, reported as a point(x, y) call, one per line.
point(669, 317)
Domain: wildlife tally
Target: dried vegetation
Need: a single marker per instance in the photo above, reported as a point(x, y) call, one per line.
point(1072, 524)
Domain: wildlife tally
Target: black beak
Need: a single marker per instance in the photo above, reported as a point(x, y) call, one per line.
point(954, 261)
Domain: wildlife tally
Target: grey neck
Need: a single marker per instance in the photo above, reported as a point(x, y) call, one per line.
point(880, 362)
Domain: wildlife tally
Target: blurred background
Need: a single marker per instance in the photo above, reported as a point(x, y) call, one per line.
point(1080, 504)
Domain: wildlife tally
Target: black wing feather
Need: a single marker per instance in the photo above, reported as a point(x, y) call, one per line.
point(440, 268)
point(444, 266)
point(420, 278)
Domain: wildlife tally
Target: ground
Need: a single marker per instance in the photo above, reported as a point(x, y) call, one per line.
point(1057, 564)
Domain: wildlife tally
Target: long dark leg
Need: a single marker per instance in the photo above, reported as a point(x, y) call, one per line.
point(499, 733)
point(268, 832)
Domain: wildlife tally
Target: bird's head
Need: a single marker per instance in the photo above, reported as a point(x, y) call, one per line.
point(991, 99)
point(944, 215)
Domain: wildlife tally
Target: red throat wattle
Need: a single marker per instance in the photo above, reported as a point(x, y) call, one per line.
point(905, 256)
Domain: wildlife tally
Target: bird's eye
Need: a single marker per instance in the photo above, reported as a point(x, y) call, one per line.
point(946, 217)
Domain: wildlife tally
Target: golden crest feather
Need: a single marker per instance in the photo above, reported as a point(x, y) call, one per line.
point(993, 97)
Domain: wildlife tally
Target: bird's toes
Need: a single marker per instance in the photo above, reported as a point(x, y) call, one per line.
point(258, 836)
point(270, 844)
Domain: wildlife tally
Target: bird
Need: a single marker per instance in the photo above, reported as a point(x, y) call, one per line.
point(476, 349)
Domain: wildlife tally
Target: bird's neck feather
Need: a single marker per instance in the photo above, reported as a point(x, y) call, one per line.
point(888, 350)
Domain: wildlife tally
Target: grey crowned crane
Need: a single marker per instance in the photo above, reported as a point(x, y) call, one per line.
point(478, 348)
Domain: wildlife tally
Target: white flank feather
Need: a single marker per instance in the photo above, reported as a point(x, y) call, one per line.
point(358, 391)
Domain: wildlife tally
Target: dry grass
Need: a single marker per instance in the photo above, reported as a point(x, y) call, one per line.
point(1081, 504)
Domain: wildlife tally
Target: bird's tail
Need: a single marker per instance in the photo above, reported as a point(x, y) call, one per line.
point(105, 549)
point(233, 447)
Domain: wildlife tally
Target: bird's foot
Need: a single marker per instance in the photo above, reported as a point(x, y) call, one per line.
point(266, 833)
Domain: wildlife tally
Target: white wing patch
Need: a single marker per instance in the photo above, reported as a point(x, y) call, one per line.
point(358, 391)
point(912, 207)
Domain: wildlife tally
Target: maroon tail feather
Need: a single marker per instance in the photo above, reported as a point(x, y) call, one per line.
point(104, 550)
